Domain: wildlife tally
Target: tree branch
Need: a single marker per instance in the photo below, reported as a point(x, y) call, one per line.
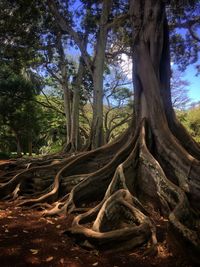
point(48, 106)
point(117, 21)
point(53, 74)
point(189, 24)
point(67, 28)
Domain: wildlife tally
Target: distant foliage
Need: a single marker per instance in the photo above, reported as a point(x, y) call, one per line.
point(191, 120)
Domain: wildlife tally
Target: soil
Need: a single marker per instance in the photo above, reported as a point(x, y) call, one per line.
point(27, 239)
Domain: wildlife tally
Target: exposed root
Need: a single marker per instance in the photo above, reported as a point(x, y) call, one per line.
point(110, 226)
point(113, 190)
point(181, 214)
point(184, 138)
point(145, 176)
point(34, 184)
point(59, 207)
point(25, 179)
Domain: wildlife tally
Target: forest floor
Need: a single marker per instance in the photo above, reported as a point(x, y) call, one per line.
point(27, 239)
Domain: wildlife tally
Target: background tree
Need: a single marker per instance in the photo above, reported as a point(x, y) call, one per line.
point(17, 112)
point(96, 65)
point(179, 91)
point(118, 103)
point(63, 71)
point(190, 119)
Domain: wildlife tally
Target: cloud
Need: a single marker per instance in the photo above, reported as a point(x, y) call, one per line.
point(126, 65)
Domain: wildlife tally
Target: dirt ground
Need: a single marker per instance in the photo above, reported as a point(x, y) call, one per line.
point(27, 239)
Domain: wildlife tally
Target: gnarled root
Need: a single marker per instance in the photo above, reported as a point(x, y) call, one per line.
point(48, 183)
point(123, 215)
point(117, 189)
point(118, 224)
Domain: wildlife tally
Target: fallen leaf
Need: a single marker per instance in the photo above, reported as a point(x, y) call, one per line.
point(58, 226)
point(96, 252)
point(49, 259)
point(48, 221)
point(62, 260)
point(133, 254)
point(95, 264)
point(25, 231)
point(34, 251)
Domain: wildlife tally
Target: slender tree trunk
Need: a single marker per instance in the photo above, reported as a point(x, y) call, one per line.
point(75, 108)
point(97, 136)
point(64, 84)
point(30, 146)
point(19, 148)
point(67, 109)
point(75, 133)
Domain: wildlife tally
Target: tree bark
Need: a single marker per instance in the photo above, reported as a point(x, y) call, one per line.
point(19, 148)
point(75, 108)
point(97, 135)
point(64, 84)
point(67, 109)
point(30, 148)
point(153, 97)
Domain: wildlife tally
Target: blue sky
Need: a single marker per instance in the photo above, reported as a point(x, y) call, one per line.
point(194, 87)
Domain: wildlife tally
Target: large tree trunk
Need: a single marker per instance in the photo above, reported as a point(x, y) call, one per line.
point(124, 189)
